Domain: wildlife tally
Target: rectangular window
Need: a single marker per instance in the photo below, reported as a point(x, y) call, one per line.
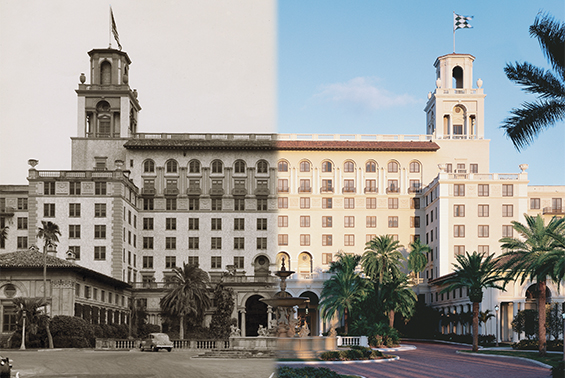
point(304, 186)
point(283, 221)
point(147, 262)
point(483, 190)
point(349, 203)
point(415, 203)
point(147, 223)
point(22, 203)
point(193, 260)
point(348, 221)
point(99, 210)
point(22, 242)
point(239, 204)
point(326, 203)
point(474, 168)
point(483, 249)
point(22, 223)
point(483, 231)
point(100, 253)
point(170, 223)
point(449, 168)
point(304, 239)
point(370, 186)
point(171, 203)
point(238, 243)
point(370, 203)
point(216, 204)
point(283, 202)
point(393, 203)
point(393, 222)
point(327, 186)
point(327, 221)
point(415, 186)
point(326, 240)
point(262, 243)
point(261, 224)
point(216, 262)
point(193, 224)
point(193, 242)
point(49, 188)
point(349, 186)
point(282, 186)
point(507, 210)
point(371, 221)
point(49, 210)
point(458, 210)
point(283, 239)
point(304, 202)
point(100, 188)
point(76, 250)
point(459, 250)
point(507, 190)
point(216, 224)
point(100, 231)
point(415, 222)
point(326, 258)
point(262, 204)
point(507, 231)
point(349, 240)
point(216, 243)
point(534, 203)
point(74, 231)
point(194, 204)
point(170, 242)
point(147, 242)
point(170, 262)
point(392, 186)
point(238, 262)
point(483, 210)
point(305, 221)
point(459, 190)
point(369, 237)
point(394, 237)
point(148, 204)
point(74, 210)
point(459, 231)
point(239, 224)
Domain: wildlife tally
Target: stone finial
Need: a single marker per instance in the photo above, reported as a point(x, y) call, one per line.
point(33, 162)
point(429, 95)
point(82, 78)
point(479, 83)
point(441, 167)
point(119, 164)
point(523, 167)
point(438, 82)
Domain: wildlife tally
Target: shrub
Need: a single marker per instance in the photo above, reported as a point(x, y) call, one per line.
point(144, 330)
point(553, 345)
point(375, 354)
point(559, 370)
point(306, 372)
point(70, 342)
point(382, 335)
point(332, 355)
point(366, 352)
point(351, 354)
point(69, 329)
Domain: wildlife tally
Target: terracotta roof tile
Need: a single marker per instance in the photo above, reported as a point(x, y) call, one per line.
point(357, 145)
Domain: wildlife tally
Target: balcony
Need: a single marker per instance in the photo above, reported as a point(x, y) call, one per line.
point(282, 190)
point(371, 190)
point(171, 191)
point(348, 189)
point(414, 190)
point(326, 189)
point(148, 191)
point(194, 191)
point(262, 191)
point(239, 191)
point(553, 210)
point(7, 211)
point(304, 189)
point(392, 190)
point(217, 191)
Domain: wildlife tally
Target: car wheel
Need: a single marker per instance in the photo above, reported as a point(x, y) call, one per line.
point(154, 349)
point(169, 349)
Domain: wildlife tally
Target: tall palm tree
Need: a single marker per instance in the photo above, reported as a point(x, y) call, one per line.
point(557, 256)
point(31, 307)
point(344, 290)
point(397, 296)
point(188, 294)
point(417, 259)
point(484, 316)
point(50, 233)
point(3, 235)
point(527, 258)
point(528, 121)
point(381, 260)
point(475, 272)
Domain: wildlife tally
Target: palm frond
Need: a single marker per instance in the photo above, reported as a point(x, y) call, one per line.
point(551, 37)
point(535, 80)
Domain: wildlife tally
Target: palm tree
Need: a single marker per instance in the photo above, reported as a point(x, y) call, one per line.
point(344, 290)
point(32, 315)
point(417, 259)
point(187, 294)
point(381, 260)
point(557, 257)
point(397, 296)
point(528, 121)
point(3, 235)
point(528, 257)
point(484, 316)
point(475, 272)
point(50, 234)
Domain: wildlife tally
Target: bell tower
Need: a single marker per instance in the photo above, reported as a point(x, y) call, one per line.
point(107, 107)
point(455, 110)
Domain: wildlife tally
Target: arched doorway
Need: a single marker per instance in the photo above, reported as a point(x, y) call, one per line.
point(313, 317)
point(280, 257)
point(532, 295)
point(255, 315)
point(304, 263)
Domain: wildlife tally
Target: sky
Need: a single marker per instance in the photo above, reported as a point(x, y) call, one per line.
point(362, 67)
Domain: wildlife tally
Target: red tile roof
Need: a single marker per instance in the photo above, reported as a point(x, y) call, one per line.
point(346, 145)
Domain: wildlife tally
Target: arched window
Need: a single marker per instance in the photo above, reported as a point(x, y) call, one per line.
point(217, 167)
point(106, 73)
point(194, 166)
point(283, 166)
point(148, 166)
point(305, 263)
point(304, 166)
point(171, 166)
point(392, 167)
point(371, 166)
point(239, 166)
point(414, 167)
point(326, 166)
point(457, 77)
point(349, 166)
point(280, 257)
point(262, 166)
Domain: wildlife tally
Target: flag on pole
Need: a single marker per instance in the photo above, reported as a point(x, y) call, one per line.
point(115, 30)
point(461, 22)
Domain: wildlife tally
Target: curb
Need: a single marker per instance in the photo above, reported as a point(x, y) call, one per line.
point(401, 348)
point(504, 356)
point(338, 362)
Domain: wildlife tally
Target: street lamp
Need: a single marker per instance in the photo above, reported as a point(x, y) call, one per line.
point(23, 346)
point(496, 308)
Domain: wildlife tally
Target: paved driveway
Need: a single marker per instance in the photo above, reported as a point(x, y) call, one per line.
point(440, 361)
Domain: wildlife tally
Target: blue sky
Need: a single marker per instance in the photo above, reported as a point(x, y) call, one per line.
point(366, 67)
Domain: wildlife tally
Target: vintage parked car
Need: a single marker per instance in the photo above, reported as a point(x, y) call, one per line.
point(156, 341)
point(5, 367)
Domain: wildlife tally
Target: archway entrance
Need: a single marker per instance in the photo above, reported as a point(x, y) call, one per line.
point(255, 315)
point(312, 317)
point(532, 295)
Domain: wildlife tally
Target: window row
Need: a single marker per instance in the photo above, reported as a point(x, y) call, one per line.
point(482, 231)
point(216, 204)
point(483, 190)
point(349, 166)
point(348, 221)
point(216, 187)
point(483, 210)
point(348, 186)
point(195, 166)
point(194, 242)
point(89, 292)
point(215, 262)
point(100, 188)
point(215, 224)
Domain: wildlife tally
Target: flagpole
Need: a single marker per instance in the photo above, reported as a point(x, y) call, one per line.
point(454, 33)
point(110, 28)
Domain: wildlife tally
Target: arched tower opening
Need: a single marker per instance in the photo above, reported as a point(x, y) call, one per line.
point(105, 73)
point(457, 75)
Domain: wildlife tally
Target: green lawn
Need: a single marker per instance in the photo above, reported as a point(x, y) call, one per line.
point(551, 359)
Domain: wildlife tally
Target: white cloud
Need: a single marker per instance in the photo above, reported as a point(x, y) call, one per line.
point(362, 93)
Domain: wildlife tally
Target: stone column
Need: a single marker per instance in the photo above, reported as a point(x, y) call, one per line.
point(242, 311)
point(515, 335)
point(269, 316)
